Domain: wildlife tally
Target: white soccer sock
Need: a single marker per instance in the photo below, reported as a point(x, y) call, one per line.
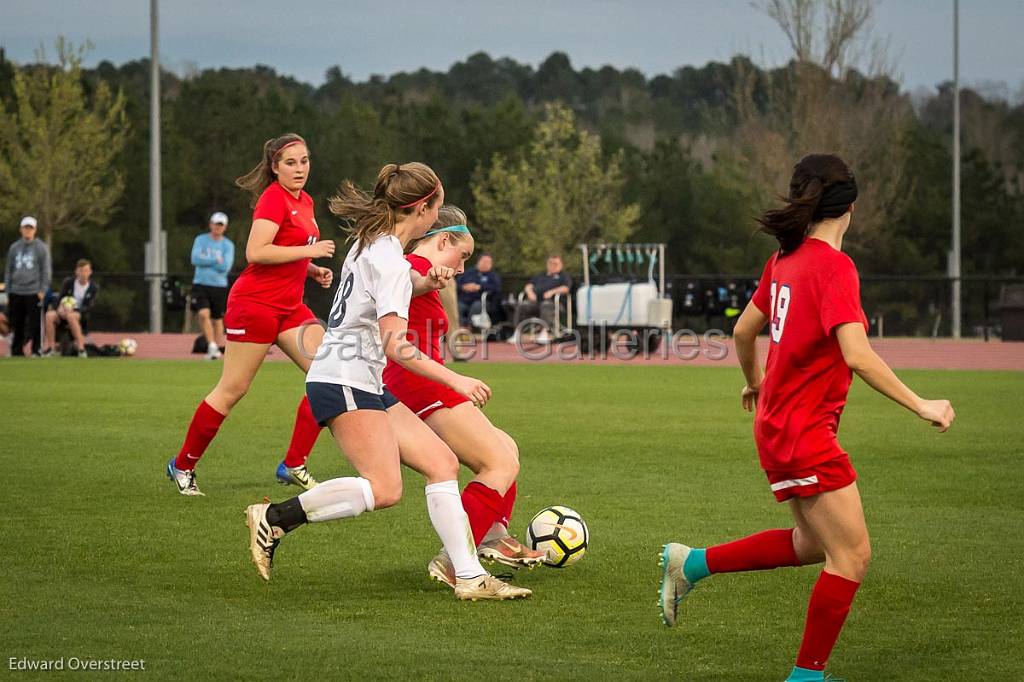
point(452, 525)
point(338, 498)
point(497, 531)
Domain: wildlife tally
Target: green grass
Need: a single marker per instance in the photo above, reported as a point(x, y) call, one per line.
point(103, 560)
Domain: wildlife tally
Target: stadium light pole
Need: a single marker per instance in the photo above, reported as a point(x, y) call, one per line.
point(155, 258)
point(954, 254)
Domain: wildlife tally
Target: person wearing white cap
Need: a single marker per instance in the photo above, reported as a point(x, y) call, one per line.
point(27, 277)
point(213, 254)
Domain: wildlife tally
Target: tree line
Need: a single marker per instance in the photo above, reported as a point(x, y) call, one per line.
point(541, 158)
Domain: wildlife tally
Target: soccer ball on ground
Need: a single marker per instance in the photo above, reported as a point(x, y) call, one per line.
point(560, 533)
point(128, 346)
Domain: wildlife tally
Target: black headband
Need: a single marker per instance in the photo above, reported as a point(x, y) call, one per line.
point(836, 199)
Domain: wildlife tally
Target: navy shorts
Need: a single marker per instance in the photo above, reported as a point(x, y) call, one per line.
point(329, 400)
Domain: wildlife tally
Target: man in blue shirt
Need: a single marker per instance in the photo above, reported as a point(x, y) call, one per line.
point(212, 255)
point(474, 284)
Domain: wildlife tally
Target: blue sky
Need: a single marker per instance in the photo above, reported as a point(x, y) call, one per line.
point(303, 39)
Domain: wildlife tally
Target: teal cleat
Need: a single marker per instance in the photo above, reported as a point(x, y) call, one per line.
point(804, 675)
point(674, 585)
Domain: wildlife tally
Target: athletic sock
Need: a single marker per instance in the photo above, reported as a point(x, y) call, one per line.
point(804, 675)
point(287, 515)
point(508, 501)
point(304, 435)
point(696, 566)
point(826, 613)
point(205, 423)
point(758, 552)
point(338, 498)
point(452, 526)
point(483, 508)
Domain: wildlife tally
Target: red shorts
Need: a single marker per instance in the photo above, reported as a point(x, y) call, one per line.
point(830, 475)
point(425, 397)
point(250, 322)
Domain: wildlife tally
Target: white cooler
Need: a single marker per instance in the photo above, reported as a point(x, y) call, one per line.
point(623, 304)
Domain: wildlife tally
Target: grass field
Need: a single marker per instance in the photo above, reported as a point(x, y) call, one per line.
point(103, 560)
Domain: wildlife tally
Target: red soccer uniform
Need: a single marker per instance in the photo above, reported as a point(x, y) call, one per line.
point(806, 294)
point(267, 299)
point(282, 285)
point(427, 324)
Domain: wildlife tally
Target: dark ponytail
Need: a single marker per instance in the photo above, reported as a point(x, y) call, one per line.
point(822, 187)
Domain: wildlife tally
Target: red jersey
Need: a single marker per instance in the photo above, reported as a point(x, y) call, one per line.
point(280, 286)
point(806, 294)
point(427, 324)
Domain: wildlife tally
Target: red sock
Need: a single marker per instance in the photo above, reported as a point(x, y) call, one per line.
point(757, 552)
point(205, 423)
point(483, 506)
point(830, 602)
point(507, 502)
point(303, 436)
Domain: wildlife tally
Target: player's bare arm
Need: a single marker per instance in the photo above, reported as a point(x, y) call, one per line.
point(750, 324)
point(260, 247)
point(865, 362)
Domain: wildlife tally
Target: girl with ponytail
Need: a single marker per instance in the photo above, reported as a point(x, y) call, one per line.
point(489, 452)
point(265, 307)
point(809, 296)
point(367, 325)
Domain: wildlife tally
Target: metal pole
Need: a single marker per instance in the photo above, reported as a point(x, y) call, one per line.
point(954, 260)
point(156, 255)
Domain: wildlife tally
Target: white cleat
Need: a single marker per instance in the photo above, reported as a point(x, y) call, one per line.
point(674, 585)
point(185, 480)
point(441, 569)
point(487, 587)
point(263, 538)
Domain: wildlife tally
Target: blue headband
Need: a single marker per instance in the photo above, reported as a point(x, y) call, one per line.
point(450, 228)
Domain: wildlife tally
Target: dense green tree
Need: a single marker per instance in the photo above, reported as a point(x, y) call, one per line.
point(57, 145)
point(558, 194)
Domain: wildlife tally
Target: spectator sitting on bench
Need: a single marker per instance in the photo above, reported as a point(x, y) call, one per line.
point(541, 291)
point(77, 294)
point(476, 282)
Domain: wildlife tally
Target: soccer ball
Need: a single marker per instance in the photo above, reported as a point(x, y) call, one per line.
point(68, 302)
point(128, 346)
point(560, 533)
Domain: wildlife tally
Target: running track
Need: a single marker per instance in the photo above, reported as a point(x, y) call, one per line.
point(901, 353)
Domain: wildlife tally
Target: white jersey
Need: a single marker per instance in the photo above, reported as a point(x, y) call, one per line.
point(371, 285)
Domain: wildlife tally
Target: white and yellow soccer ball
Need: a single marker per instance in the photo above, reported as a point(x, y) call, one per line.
point(560, 533)
point(68, 302)
point(128, 346)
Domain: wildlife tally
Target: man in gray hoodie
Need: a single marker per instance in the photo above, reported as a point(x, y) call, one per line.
point(27, 276)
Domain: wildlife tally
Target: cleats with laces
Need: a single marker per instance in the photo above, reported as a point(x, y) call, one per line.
point(184, 479)
point(510, 552)
point(299, 476)
point(263, 538)
point(487, 587)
